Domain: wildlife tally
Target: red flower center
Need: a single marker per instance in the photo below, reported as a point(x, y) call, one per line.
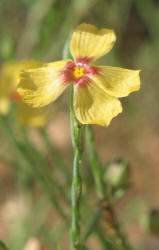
point(78, 72)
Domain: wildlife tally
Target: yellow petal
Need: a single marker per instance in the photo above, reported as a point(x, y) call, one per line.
point(93, 106)
point(38, 87)
point(4, 105)
point(33, 117)
point(88, 41)
point(24, 65)
point(118, 82)
point(9, 75)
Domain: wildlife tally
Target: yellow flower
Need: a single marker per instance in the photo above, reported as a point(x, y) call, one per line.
point(9, 76)
point(96, 88)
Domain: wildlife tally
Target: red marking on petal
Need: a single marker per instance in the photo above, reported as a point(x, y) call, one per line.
point(67, 73)
point(84, 60)
point(69, 66)
point(15, 96)
point(82, 81)
point(92, 70)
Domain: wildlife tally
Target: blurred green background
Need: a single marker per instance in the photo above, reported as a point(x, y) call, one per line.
point(38, 29)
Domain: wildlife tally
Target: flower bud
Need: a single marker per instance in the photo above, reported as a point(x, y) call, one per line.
point(150, 222)
point(117, 174)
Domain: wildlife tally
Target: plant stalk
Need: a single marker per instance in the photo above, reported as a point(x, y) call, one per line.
point(77, 142)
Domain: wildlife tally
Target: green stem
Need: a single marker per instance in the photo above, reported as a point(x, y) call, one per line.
point(102, 190)
point(77, 142)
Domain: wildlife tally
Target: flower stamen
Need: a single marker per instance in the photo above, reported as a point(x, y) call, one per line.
point(79, 72)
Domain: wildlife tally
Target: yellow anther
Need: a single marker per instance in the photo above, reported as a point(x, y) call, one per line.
point(79, 71)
